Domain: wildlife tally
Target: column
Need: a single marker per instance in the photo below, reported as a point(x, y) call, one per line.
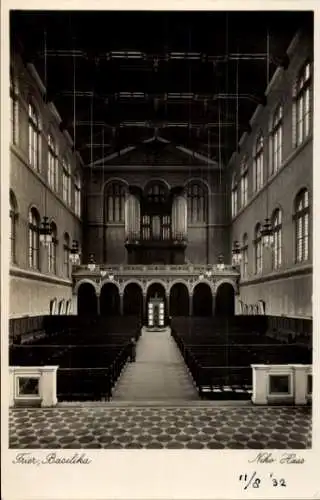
point(144, 308)
point(98, 304)
point(121, 304)
point(190, 304)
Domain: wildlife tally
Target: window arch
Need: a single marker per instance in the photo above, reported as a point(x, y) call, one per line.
point(302, 105)
point(277, 239)
point(234, 196)
point(258, 249)
point(14, 108)
point(115, 200)
point(34, 240)
point(197, 201)
point(13, 213)
point(244, 182)
point(34, 137)
point(52, 250)
point(258, 163)
point(276, 139)
point(66, 255)
point(77, 195)
point(245, 256)
point(301, 220)
point(52, 163)
point(66, 181)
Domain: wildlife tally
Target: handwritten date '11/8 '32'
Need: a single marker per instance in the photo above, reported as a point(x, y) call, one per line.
point(253, 481)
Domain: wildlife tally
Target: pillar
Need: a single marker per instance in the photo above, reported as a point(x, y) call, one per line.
point(213, 303)
point(49, 385)
point(260, 384)
point(98, 304)
point(300, 384)
point(144, 308)
point(121, 304)
point(190, 304)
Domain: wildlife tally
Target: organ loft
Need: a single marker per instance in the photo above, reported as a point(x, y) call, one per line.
point(159, 226)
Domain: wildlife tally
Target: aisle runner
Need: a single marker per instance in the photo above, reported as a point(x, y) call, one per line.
point(159, 372)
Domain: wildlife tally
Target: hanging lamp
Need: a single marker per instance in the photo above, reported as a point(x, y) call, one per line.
point(75, 253)
point(236, 254)
point(45, 231)
point(92, 263)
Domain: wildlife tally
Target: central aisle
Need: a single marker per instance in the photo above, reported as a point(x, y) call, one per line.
point(159, 372)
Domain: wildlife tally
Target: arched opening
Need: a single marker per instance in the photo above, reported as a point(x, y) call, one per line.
point(225, 300)
point(109, 300)
point(156, 290)
point(179, 300)
point(202, 300)
point(133, 300)
point(87, 300)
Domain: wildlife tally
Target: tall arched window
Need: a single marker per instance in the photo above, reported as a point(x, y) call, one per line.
point(258, 249)
point(197, 203)
point(13, 219)
point(244, 182)
point(244, 256)
point(52, 250)
point(66, 181)
point(234, 196)
point(276, 139)
point(115, 200)
point(302, 105)
point(258, 164)
point(34, 137)
point(277, 239)
point(34, 241)
point(66, 255)
point(14, 108)
point(77, 195)
point(301, 219)
point(52, 164)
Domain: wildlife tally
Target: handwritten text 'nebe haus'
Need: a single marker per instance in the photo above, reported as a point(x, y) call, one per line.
point(284, 458)
point(51, 459)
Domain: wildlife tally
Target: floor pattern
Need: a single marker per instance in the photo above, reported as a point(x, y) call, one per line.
point(115, 427)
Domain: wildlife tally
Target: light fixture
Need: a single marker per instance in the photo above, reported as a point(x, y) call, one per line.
point(267, 233)
point(45, 232)
point(92, 263)
point(236, 253)
point(201, 277)
point(220, 264)
point(209, 274)
point(75, 253)
point(111, 277)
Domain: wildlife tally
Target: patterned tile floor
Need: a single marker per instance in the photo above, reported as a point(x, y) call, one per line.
point(213, 427)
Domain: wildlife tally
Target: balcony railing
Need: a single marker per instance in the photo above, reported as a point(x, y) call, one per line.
point(207, 270)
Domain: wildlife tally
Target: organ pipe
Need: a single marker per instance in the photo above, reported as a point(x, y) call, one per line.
point(179, 218)
point(132, 218)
